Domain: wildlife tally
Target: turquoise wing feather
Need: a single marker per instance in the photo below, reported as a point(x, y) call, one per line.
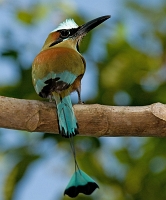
point(54, 81)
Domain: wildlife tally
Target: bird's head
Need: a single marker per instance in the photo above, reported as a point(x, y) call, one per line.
point(69, 34)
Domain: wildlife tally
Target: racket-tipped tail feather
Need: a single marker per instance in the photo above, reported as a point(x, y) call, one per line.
point(80, 182)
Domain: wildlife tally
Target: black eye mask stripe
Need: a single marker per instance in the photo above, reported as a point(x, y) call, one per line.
point(56, 42)
point(72, 31)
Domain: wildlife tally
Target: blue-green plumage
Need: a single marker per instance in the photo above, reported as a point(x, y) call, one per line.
point(80, 182)
point(54, 82)
point(68, 126)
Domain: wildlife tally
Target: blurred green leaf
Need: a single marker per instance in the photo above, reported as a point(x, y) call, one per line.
point(37, 12)
point(25, 16)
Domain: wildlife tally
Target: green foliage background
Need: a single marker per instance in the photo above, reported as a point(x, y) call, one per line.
point(131, 70)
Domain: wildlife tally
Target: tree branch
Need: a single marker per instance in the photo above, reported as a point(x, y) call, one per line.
point(94, 120)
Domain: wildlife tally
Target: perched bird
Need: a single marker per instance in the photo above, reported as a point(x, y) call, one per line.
point(56, 72)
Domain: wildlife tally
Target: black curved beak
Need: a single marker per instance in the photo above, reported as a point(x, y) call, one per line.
point(85, 28)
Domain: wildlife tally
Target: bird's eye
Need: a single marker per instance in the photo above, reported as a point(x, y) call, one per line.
point(65, 33)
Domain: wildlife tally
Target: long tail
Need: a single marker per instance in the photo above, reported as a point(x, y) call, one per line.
point(68, 126)
point(80, 182)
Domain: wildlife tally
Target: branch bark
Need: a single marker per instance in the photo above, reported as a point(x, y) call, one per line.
point(94, 120)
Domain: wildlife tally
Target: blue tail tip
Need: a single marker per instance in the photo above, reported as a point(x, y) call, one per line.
point(80, 182)
point(87, 189)
point(69, 134)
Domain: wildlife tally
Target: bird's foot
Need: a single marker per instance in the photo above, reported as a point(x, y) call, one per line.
point(50, 98)
point(81, 102)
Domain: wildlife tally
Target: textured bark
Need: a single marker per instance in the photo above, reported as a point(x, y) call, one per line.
point(94, 120)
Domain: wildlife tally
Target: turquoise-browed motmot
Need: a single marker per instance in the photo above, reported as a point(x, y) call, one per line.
point(56, 72)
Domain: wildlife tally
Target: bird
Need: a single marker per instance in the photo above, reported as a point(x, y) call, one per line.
point(57, 72)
